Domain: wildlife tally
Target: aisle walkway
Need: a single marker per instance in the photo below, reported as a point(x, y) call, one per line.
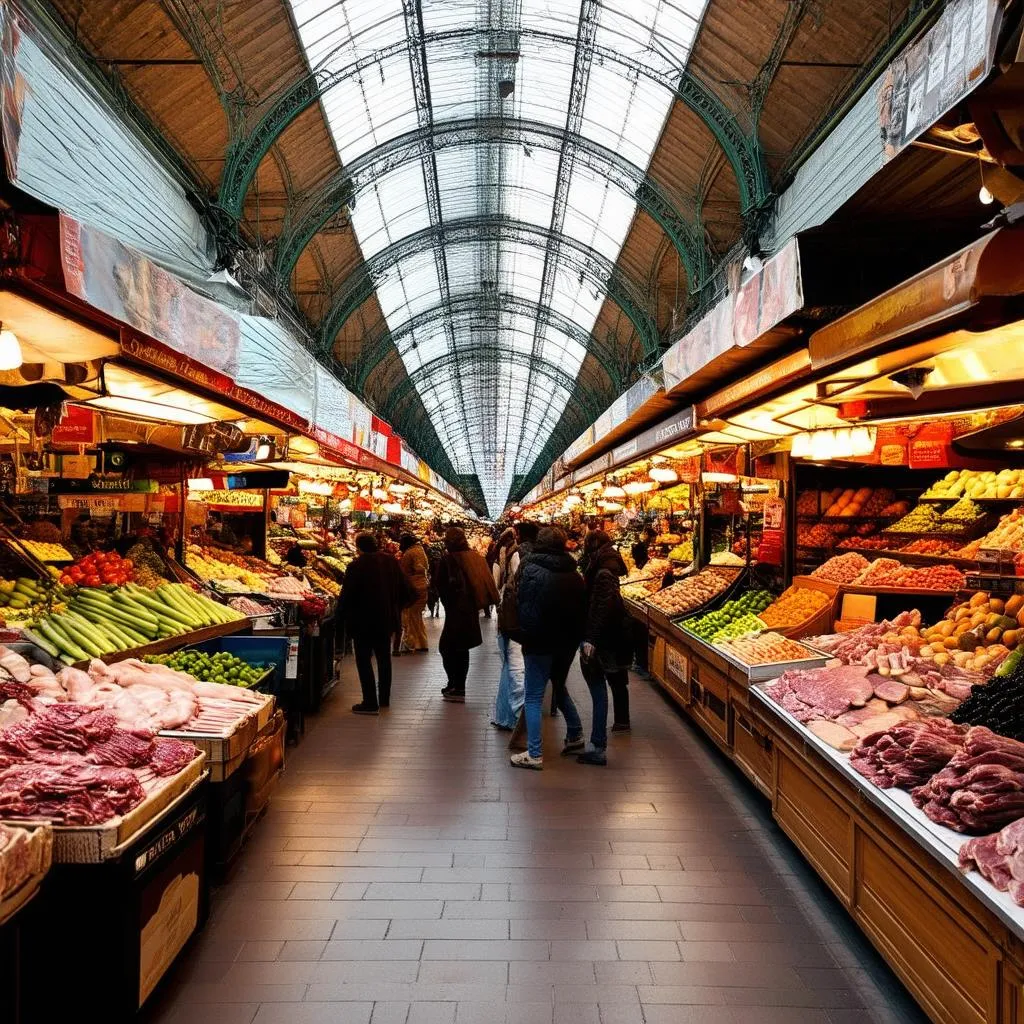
point(407, 875)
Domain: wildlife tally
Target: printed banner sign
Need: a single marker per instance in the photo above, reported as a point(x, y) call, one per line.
point(131, 288)
point(762, 302)
point(937, 72)
point(77, 426)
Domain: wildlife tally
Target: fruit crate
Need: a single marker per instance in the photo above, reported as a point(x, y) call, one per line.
point(821, 621)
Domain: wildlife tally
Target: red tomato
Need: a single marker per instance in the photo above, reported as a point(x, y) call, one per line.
point(67, 579)
point(76, 573)
point(92, 580)
point(127, 563)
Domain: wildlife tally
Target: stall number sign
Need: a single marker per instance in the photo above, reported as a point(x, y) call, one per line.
point(677, 664)
point(168, 838)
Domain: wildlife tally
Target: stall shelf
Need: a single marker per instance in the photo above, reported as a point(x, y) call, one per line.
point(955, 941)
point(871, 847)
point(127, 918)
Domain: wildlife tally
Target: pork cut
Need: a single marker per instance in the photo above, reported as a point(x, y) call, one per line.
point(981, 789)
point(833, 734)
point(909, 753)
point(999, 858)
point(821, 692)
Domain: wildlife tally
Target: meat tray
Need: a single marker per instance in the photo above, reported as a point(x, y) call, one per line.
point(93, 844)
point(220, 749)
point(942, 843)
point(42, 857)
point(774, 669)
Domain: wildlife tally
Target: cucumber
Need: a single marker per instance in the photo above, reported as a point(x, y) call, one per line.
point(125, 621)
point(178, 602)
point(82, 640)
point(132, 607)
point(52, 650)
point(160, 608)
point(115, 612)
point(99, 631)
point(59, 640)
point(173, 627)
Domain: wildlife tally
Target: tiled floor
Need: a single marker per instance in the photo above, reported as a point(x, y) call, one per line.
point(405, 874)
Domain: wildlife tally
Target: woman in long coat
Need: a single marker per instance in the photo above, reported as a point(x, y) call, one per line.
point(466, 588)
point(414, 566)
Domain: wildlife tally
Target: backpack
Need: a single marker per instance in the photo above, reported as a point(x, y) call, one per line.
point(508, 608)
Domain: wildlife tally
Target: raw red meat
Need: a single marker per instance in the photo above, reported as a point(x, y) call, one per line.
point(169, 757)
point(908, 754)
point(72, 794)
point(821, 692)
point(982, 787)
point(999, 858)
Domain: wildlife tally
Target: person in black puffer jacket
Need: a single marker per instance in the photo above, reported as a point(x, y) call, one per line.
point(606, 649)
point(552, 609)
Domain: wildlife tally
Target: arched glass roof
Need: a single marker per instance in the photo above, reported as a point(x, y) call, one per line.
point(600, 69)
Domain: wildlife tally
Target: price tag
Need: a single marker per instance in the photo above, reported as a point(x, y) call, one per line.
point(291, 665)
point(677, 664)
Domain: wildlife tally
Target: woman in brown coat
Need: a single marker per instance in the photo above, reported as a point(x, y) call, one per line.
point(466, 588)
point(414, 568)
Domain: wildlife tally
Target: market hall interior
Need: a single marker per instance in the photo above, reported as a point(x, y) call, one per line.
point(404, 874)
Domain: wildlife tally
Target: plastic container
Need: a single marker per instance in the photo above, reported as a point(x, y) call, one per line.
point(256, 650)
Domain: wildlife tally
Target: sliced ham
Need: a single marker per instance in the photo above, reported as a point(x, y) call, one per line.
point(833, 734)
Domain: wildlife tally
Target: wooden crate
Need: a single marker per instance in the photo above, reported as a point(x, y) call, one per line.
point(821, 622)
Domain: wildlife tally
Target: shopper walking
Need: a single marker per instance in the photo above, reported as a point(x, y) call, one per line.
point(607, 644)
point(552, 609)
point(514, 545)
point(372, 600)
point(414, 567)
point(466, 588)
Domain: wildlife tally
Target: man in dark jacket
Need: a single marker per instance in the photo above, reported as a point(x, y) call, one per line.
point(372, 598)
point(552, 605)
point(606, 649)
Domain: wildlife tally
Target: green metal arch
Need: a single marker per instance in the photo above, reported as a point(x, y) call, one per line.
point(315, 209)
point(553, 373)
point(248, 147)
point(481, 305)
point(361, 285)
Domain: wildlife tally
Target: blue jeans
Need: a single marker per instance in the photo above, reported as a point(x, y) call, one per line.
point(509, 701)
point(538, 672)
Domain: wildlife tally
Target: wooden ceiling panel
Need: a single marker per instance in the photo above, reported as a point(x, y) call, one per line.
point(824, 58)
point(179, 98)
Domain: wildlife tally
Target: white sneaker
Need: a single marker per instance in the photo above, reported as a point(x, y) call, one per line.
point(524, 760)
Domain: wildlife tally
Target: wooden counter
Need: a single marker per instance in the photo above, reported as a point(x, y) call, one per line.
point(954, 948)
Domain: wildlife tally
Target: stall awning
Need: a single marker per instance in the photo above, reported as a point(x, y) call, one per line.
point(976, 289)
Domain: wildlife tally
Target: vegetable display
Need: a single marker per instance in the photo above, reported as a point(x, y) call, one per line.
point(98, 569)
point(221, 667)
point(99, 622)
point(45, 551)
point(996, 705)
point(796, 605)
point(723, 621)
point(987, 485)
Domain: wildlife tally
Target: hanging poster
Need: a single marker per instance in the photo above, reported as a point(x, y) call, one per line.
point(127, 286)
point(937, 72)
point(773, 532)
point(77, 426)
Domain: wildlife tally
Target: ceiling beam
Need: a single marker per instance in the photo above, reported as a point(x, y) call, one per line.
point(603, 275)
point(318, 206)
point(481, 309)
point(265, 121)
point(497, 352)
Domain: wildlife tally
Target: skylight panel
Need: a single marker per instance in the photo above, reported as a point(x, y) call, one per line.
point(609, 213)
point(395, 206)
point(543, 80)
